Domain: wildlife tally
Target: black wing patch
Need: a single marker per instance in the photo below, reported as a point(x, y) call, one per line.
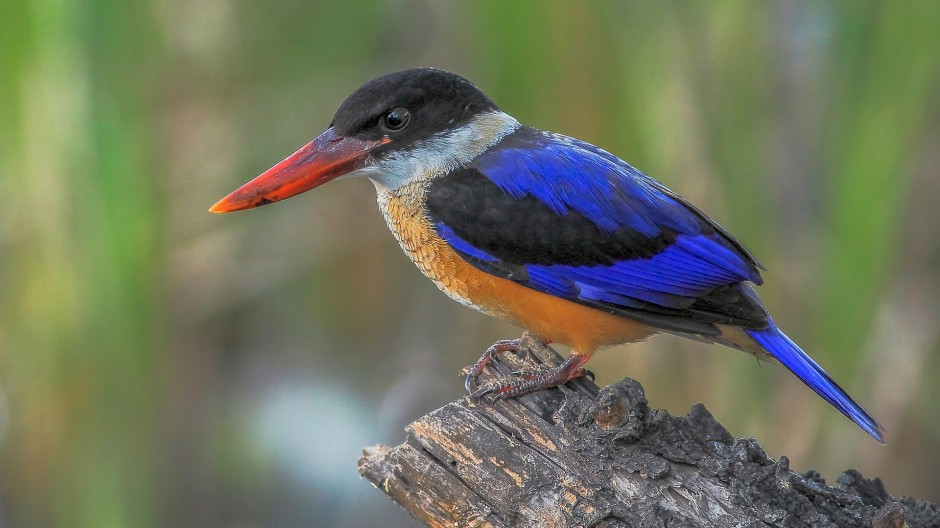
point(525, 230)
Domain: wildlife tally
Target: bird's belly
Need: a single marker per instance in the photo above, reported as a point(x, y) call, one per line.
point(553, 318)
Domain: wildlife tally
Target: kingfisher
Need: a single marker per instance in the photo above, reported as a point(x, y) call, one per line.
point(548, 232)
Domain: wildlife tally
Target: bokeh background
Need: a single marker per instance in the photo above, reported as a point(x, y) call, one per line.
point(162, 366)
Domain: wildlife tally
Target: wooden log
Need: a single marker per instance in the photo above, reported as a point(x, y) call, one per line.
point(589, 457)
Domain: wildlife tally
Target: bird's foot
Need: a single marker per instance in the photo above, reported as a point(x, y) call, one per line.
point(526, 381)
point(499, 347)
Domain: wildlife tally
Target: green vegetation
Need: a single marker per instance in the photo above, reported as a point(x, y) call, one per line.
point(161, 366)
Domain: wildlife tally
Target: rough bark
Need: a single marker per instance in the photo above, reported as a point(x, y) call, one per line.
point(583, 456)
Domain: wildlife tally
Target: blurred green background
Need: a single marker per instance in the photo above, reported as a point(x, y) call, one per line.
point(162, 366)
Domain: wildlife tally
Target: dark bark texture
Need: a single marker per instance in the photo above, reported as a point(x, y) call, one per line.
point(588, 457)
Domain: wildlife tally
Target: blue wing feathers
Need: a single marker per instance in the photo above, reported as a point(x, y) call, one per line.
point(673, 278)
point(566, 178)
point(569, 175)
point(672, 255)
point(545, 280)
point(604, 296)
point(444, 231)
point(791, 356)
point(720, 256)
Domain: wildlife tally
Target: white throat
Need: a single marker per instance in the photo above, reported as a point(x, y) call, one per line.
point(441, 153)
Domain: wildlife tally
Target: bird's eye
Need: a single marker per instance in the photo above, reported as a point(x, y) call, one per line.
point(396, 119)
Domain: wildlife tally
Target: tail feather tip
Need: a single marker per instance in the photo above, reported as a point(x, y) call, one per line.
point(774, 341)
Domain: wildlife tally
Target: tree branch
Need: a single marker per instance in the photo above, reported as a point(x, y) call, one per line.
point(580, 456)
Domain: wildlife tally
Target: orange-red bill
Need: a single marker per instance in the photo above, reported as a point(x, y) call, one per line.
point(324, 159)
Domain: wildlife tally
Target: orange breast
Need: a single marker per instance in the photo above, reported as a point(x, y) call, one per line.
point(553, 318)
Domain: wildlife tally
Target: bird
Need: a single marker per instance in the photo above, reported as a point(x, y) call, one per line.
point(550, 233)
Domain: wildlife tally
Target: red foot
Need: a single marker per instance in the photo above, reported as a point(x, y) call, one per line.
point(504, 345)
point(533, 380)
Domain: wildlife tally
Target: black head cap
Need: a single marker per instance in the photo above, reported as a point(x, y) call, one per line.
point(425, 100)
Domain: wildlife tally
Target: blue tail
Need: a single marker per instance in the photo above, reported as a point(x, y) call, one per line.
point(787, 352)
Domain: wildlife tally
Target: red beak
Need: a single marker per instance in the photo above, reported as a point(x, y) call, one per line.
point(324, 159)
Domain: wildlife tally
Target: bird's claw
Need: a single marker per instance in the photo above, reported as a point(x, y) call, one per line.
point(532, 374)
point(501, 346)
point(525, 381)
point(480, 393)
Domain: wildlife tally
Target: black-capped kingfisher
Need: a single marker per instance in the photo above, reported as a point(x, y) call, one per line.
point(548, 232)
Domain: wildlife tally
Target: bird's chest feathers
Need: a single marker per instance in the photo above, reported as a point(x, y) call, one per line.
point(405, 214)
